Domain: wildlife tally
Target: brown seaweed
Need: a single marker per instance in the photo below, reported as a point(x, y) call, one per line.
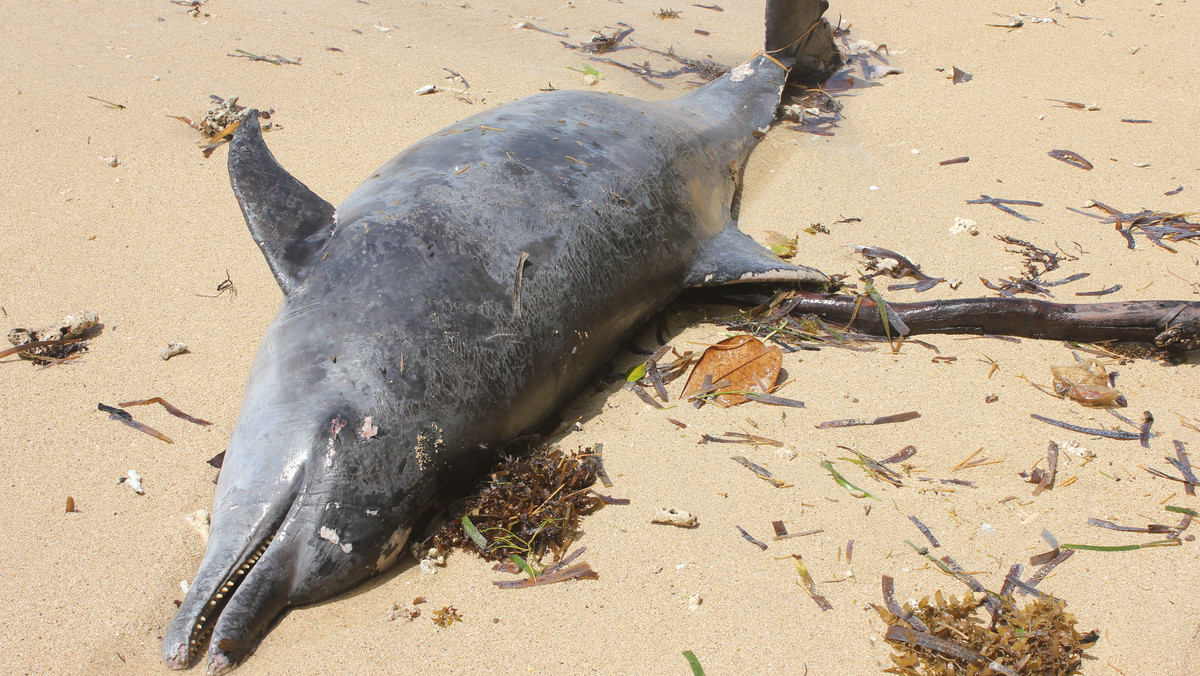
point(901, 267)
point(951, 637)
point(1001, 204)
point(1184, 465)
point(854, 422)
point(1111, 434)
point(1157, 226)
point(760, 471)
point(751, 539)
point(925, 531)
point(1038, 262)
point(124, 417)
point(444, 617)
point(1071, 157)
point(528, 506)
point(170, 409)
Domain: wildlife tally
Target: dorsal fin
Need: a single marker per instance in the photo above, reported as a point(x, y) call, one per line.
point(732, 257)
point(289, 222)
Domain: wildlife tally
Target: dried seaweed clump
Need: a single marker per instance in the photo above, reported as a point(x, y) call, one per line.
point(529, 506)
point(1037, 638)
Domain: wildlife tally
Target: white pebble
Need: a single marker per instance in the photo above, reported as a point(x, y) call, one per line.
point(135, 482)
point(962, 225)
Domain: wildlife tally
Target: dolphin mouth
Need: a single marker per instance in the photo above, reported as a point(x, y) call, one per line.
point(202, 628)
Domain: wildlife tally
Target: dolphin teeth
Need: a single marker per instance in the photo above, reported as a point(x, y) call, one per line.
point(203, 628)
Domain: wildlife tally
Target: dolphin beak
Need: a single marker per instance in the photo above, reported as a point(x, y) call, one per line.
point(223, 575)
point(242, 584)
point(256, 602)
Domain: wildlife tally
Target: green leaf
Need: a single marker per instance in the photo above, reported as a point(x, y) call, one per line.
point(854, 490)
point(587, 70)
point(636, 374)
point(473, 533)
point(1123, 548)
point(690, 656)
point(523, 565)
point(882, 308)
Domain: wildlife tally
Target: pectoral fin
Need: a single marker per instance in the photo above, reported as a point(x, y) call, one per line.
point(732, 257)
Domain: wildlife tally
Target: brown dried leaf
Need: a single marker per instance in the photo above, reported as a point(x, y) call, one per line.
point(1085, 382)
point(744, 361)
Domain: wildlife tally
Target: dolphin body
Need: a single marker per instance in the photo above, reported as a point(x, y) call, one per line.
point(439, 313)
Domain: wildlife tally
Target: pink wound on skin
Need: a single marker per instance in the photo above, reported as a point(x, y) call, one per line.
point(335, 426)
point(369, 429)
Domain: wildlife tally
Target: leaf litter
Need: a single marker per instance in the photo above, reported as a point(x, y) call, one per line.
point(49, 345)
point(743, 363)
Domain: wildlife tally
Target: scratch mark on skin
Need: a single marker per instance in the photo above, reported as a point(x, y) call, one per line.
point(335, 426)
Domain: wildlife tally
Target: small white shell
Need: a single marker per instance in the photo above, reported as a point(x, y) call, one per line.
point(135, 482)
point(675, 517)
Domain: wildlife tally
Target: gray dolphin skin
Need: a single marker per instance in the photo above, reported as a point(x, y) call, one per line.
point(440, 312)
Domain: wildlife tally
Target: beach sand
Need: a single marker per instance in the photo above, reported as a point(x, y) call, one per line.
point(145, 243)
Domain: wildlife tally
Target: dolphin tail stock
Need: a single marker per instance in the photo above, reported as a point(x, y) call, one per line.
point(801, 40)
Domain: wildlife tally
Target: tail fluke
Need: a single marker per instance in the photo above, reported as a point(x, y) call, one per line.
point(800, 39)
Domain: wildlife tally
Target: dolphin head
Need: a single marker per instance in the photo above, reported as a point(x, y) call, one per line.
point(319, 488)
point(322, 479)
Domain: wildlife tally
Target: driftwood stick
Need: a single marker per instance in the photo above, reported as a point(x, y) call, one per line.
point(1170, 324)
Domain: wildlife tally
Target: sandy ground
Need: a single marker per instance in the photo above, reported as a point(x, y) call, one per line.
point(138, 243)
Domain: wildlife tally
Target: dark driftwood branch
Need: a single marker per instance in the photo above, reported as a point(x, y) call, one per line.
point(1167, 323)
point(1170, 324)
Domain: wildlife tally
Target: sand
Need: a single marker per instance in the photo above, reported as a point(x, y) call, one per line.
point(144, 242)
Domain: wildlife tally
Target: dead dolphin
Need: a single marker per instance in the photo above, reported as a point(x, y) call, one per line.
point(459, 296)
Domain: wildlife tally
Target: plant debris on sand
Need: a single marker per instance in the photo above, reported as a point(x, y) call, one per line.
point(528, 507)
point(1037, 638)
point(55, 343)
